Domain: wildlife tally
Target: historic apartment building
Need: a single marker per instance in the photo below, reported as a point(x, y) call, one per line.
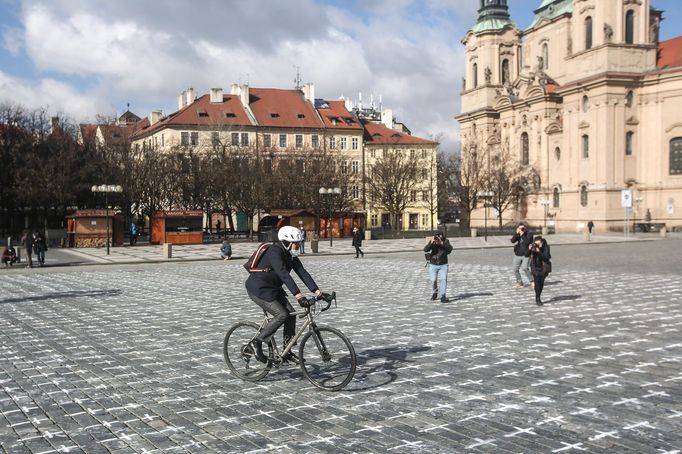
point(590, 98)
point(282, 120)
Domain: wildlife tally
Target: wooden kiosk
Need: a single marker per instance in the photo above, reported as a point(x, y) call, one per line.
point(88, 228)
point(178, 227)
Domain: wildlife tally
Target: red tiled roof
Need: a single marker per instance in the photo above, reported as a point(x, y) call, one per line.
point(282, 108)
point(88, 131)
point(670, 53)
point(201, 112)
point(376, 134)
point(337, 113)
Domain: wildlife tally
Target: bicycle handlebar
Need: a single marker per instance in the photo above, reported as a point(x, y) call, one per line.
point(310, 302)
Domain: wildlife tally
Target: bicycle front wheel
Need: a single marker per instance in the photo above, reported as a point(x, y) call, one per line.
point(239, 354)
point(327, 358)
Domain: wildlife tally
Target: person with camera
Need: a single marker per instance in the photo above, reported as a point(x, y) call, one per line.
point(521, 240)
point(538, 252)
point(438, 249)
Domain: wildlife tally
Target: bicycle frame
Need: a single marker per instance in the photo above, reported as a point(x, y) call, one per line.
point(308, 324)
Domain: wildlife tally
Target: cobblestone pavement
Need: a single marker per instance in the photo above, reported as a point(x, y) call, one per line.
point(129, 359)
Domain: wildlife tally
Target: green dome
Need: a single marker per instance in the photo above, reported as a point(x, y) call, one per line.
point(492, 15)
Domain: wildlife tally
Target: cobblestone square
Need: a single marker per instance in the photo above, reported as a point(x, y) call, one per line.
point(129, 359)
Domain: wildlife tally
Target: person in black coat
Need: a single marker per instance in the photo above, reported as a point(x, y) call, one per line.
point(538, 251)
point(357, 242)
point(438, 248)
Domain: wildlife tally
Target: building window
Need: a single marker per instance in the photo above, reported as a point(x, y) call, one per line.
point(282, 140)
point(630, 99)
point(555, 198)
point(425, 196)
point(245, 139)
point(630, 27)
point(525, 154)
point(557, 153)
point(267, 140)
point(184, 138)
point(586, 103)
point(425, 174)
point(413, 196)
point(412, 154)
point(505, 76)
point(343, 142)
point(355, 192)
point(354, 143)
point(235, 139)
point(588, 33)
point(163, 141)
point(676, 156)
point(194, 137)
point(299, 140)
point(374, 219)
point(373, 154)
point(344, 167)
point(315, 141)
point(583, 196)
point(425, 220)
point(474, 75)
point(586, 146)
point(545, 56)
point(332, 142)
point(628, 143)
point(215, 138)
point(354, 167)
point(423, 154)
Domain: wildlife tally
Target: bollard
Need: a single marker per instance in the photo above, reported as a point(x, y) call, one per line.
point(167, 250)
point(18, 250)
point(368, 235)
point(663, 232)
point(474, 233)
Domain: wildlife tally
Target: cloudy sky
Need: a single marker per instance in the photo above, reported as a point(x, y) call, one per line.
point(83, 57)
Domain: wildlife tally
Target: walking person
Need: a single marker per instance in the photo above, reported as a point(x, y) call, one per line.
point(540, 264)
point(303, 235)
point(521, 240)
point(590, 226)
point(439, 248)
point(39, 246)
point(133, 234)
point(357, 242)
point(27, 243)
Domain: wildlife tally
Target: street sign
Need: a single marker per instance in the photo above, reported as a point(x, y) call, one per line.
point(626, 198)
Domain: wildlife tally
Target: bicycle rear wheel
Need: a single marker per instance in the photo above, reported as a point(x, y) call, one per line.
point(239, 355)
point(327, 358)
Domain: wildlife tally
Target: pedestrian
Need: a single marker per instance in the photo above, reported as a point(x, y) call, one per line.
point(303, 235)
point(39, 246)
point(217, 227)
point(226, 250)
point(540, 264)
point(133, 233)
point(9, 256)
point(590, 226)
point(439, 248)
point(521, 240)
point(357, 242)
point(27, 243)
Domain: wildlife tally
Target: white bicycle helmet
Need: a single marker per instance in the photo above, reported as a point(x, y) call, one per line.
point(289, 234)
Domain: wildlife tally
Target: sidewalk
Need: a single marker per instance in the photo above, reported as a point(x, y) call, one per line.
point(242, 250)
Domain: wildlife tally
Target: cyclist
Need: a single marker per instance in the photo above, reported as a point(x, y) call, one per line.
point(265, 288)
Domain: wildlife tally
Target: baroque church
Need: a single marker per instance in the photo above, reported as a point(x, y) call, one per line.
point(589, 98)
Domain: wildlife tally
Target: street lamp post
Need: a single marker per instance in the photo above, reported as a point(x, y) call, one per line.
point(106, 189)
point(485, 195)
point(330, 192)
point(545, 205)
point(637, 201)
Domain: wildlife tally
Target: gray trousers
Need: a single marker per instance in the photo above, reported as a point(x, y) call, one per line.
point(281, 309)
point(522, 263)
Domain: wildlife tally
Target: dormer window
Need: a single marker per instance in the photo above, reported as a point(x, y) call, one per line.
point(274, 115)
point(301, 115)
point(203, 114)
point(230, 115)
point(334, 120)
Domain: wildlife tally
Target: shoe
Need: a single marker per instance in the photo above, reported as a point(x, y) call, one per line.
point(257, 346)
point(538, 301)
point(290, 357)
point(444, 299)
point(434, 296)
point(517, 285)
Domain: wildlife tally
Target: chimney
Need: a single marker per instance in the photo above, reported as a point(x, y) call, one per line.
point(309, 92)
point(234, 89)
point(181, 100)
point(387, 118)
point(154, 117)
point(244, 94)
point(189, 94)
point(216, 95)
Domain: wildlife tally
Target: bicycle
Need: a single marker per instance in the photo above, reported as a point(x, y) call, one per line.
point(328, 360)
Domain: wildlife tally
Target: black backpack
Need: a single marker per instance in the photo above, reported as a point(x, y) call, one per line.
point(251, 264)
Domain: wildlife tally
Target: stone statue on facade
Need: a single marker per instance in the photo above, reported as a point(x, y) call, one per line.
point(653, 29)
point(608, 33)
point(488, 75)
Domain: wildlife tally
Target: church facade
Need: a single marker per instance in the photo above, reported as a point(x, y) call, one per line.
point(589, 98)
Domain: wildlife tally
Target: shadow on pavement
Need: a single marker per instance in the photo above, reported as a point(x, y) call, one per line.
point(367, 369)
point(563, 298)
point(552, 283)
point(463, 296)
point(75, 294)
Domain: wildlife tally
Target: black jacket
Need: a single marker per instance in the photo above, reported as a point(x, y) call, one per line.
point(537, 256)
point(439, 252)
point(357, 238)
point(522, 242)
point(268, 285)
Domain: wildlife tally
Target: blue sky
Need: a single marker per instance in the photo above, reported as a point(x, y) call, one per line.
point(84, 58)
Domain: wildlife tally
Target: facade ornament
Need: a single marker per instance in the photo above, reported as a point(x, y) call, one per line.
point(653, 29)
point(488, 75)
point(608, 33)
point(569, 45)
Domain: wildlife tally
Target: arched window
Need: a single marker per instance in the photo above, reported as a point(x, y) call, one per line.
point(474, 76)
point(583, 196)
point(586, 146)
point(505, 76)
point(630, 27)
point(525, 156)
point(586, 103)
point(676, 156)
point(588, 33)
point(555, 198)
point(557, 153)
point(545, 56)
point(628, 143)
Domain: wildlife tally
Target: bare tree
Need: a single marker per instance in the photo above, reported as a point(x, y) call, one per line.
point(472, 172)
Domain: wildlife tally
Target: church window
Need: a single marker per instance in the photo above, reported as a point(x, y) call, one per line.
point(583, 196)
point(545, 56)
point(505, 72)
point(586, 103)
point(525, 155)
point(628, 143)
point(630, 27)
point(676, 156)
point(556, 198)
point(557, 153)
point(588, 33)
point(586, 146)
point(475, 75)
